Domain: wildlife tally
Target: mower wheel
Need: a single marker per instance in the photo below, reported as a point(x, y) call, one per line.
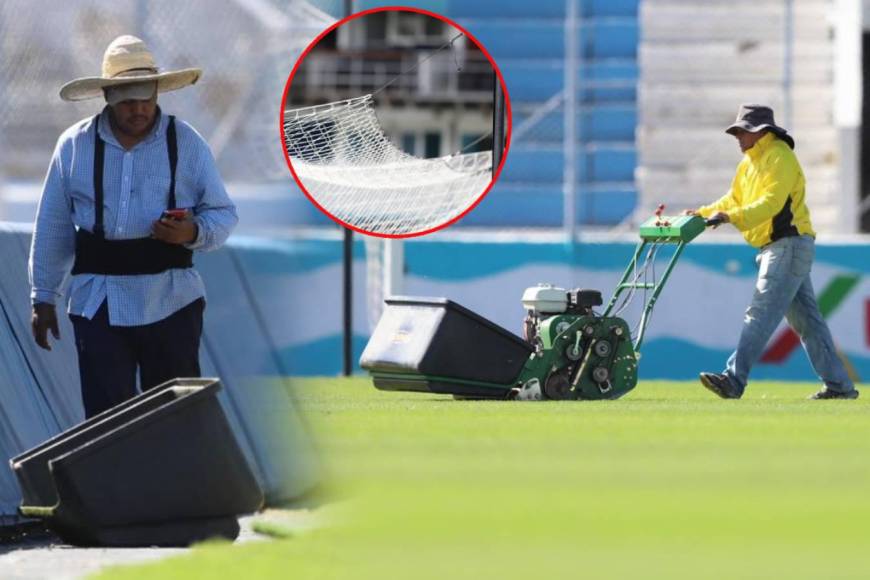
point(557, 387)
point(602, 348)
point(600, 374)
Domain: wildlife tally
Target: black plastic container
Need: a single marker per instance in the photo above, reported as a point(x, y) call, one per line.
point(163, 469)
point(436, 345)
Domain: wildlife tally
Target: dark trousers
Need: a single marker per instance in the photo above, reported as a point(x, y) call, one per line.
point(110, 355)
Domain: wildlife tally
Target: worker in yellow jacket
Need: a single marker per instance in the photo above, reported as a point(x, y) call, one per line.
point(767, 203)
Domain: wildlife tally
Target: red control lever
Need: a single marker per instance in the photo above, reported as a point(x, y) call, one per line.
point(659, 212)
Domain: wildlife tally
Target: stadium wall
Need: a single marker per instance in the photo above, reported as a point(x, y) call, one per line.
point(695, 325)
point(274, 308)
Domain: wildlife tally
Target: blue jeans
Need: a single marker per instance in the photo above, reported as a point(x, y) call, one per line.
point(784, 289)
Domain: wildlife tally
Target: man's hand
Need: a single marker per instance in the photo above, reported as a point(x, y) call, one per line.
point(690, 212)
point(175, 231)
point(719, 218)
point(44, 319)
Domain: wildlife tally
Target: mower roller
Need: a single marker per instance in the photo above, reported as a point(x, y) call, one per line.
point(568, 351)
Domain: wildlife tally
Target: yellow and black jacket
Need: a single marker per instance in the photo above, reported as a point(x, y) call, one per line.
point(767, 199)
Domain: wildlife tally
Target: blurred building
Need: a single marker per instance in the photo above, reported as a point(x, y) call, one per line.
point(433, 87)
point(529, 41)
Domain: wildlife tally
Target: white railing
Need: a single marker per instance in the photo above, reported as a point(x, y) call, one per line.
point(343, 77)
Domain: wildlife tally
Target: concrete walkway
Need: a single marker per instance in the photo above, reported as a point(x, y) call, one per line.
point(45, 558)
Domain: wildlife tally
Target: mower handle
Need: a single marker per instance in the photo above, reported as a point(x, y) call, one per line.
point(714, 221)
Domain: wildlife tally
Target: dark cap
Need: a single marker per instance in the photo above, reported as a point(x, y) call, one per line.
point(755, 118)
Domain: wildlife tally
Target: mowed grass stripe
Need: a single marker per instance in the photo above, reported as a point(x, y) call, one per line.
point(669, 482)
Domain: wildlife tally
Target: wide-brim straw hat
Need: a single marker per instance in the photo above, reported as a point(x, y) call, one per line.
point(755, 118)
point(127, 60)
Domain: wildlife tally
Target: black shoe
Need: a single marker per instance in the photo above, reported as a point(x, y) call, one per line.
point(720, 385)
point(827, 393)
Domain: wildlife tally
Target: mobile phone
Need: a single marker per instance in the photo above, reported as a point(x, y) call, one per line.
point(174, 214)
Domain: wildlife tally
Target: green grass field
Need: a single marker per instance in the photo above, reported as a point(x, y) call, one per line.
point(669, 482)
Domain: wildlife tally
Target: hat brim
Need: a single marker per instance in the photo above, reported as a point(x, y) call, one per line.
point(747, 126)
point(92, 87)
point(775, 129)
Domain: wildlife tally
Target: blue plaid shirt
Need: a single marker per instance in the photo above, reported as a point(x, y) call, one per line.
point(136, 191)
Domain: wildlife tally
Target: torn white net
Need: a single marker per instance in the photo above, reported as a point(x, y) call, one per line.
point(348, 165)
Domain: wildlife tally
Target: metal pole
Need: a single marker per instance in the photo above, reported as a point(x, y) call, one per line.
point(498, 123)
point(569, 145)
point(787, 56)
point(140, 26)
point(347, 304)
point(659, 286)
point(394, 268)
point(347, 278)
point(632, 266)
point(848, 102)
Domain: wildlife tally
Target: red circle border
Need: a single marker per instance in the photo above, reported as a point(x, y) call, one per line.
point(468, 35)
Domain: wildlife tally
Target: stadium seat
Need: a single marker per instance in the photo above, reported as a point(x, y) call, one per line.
point(536, 205)
point(539, 9)
point(538, 80)
point(527, 41)
point(600, 162)
point(506, 38)
point(598, 123)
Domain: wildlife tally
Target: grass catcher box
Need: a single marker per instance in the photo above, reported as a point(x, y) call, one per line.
point(162, 469)
point(438, 346)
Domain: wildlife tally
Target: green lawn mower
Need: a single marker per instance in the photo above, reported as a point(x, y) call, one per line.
point(568, 351)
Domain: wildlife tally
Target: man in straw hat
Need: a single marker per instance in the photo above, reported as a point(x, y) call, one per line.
point(130, 194)
point(767, 203)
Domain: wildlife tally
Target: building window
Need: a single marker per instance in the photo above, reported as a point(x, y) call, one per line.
point(409, 143)
point(413, 29)
point(432, 146)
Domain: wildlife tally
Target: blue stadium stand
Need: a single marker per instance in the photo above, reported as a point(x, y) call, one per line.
point(527, 41)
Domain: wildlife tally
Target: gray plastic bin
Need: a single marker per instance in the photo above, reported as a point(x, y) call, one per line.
point(162, 469)
point(436, 345)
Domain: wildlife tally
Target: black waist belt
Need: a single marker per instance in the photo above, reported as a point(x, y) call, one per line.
point(96, 255)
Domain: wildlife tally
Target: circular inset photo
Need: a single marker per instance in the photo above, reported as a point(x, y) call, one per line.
point(395, 122)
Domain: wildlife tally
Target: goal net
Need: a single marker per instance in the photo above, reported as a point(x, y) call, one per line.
point(349, 166)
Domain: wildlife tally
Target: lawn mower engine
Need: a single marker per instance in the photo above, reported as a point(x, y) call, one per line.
point(578, 354)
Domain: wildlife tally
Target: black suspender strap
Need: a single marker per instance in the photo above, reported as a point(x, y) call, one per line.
point(99, 158)
point(99, 162)
point(172, 146)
